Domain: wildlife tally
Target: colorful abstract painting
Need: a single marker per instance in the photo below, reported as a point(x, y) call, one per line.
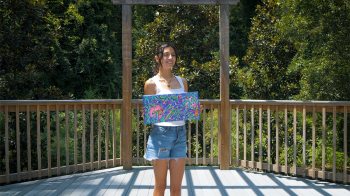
point(170, 107)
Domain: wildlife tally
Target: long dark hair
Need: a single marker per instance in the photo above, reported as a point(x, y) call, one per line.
point(159, 53)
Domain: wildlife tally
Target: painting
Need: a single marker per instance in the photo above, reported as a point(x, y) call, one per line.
point(171, 107)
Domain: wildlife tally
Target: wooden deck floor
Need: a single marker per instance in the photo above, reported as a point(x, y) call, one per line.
point(197, 181)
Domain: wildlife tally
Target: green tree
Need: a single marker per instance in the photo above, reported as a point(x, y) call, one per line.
point(60, 49)
point(269, 54)
point(240, 23)
point(27, 38)
point(320, 32)
point(98, 61)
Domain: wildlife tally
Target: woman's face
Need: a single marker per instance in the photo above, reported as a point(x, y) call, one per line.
point(169, 58)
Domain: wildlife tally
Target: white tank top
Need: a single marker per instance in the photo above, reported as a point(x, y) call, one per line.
point(161, 91)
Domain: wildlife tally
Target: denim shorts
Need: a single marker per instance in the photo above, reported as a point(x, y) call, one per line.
point(166, 142)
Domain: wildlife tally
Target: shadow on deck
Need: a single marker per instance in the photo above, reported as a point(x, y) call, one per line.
point(197, 181)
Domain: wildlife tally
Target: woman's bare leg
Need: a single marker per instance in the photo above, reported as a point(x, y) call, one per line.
point(177, 168)
point(160, 168)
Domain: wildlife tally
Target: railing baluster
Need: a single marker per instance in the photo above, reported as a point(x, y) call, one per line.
point(197, 143)
point(99, 137)
point(107, 136)
point(260, 137)
point(83, 137)
point(230, 135)
point(204, 148)
point(245, 135)
point(334, 142)
point(323, 142)
point(189, 143)
point(286, 140)
point(18, 145)
point(29, 148)
point(211, 135)
point(38, 139)
point(137, 133)
point(48, 125)
point(7, 155)
point(237, 135)
point(231, 149)
point(92, 137)
point(120, 138)
point(67, 137)
point(219, 142)
point(304, 140)
point(252, 137)
point(114, 129)
point(313, 142)
point(144, 141)
point(277, 142)
point(268, 138)
point(345, 129)
point(295, 140)
point(75, 143)
point(58, 142)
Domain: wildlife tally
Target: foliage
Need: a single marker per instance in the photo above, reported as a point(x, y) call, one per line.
point(67, 49)
point(98, 61)
point(59, 49)
point(268, 56)
point(27, 38)
point(298, 51)
point(240, 24)
point(320, 32)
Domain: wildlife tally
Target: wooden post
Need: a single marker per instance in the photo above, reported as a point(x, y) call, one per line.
point(224, 88)
point(126, 106)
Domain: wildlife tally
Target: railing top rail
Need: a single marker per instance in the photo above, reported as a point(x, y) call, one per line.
point(289, 102)
point(204, 101)
point(60, 102)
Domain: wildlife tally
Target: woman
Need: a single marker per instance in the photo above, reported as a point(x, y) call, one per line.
point(166, 146)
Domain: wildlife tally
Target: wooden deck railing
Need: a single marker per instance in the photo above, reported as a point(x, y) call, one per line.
point(49, 138)
point(305, 138)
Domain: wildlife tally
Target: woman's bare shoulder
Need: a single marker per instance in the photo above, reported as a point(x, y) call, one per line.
point(150, 87)
point(150, 82)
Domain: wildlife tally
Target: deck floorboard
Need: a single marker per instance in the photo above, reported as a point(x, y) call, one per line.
point(197, 181)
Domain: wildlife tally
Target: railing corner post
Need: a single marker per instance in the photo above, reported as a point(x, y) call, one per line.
point(127, 87)
point(224, 134)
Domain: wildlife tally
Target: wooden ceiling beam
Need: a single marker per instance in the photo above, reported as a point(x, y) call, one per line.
point(175, 2)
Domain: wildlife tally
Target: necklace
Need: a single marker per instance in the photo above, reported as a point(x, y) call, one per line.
point(166, 81)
